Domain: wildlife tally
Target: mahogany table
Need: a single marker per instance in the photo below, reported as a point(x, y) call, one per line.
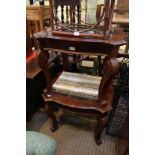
point(78, 45)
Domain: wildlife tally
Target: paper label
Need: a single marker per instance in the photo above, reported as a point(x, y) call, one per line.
point(76, 33)
point(72, 48)
point(87, 63)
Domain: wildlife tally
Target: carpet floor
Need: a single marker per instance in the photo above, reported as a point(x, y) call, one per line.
point(75, 135)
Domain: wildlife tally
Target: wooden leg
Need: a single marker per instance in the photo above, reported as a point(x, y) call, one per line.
point(43, 63)
point(101, 123)
point(50, 112)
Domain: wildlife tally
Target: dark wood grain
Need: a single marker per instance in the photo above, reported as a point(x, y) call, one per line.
point(84, 46)
point(77, 45)
point(101, 124)
point(50, 113)
point(71, 102)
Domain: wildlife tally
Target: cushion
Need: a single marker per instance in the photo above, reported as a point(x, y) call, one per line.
point(78, 85)
point(39, 144)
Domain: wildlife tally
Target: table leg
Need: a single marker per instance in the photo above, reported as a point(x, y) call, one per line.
point(110, 70)
point(43, 63)
point(101, 124)
point(50, 113)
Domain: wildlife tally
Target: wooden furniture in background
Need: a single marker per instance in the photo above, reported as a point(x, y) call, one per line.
point(28, 41)
point(70, 11)
point(120, 15)
point(37, 14)
point(35, 82)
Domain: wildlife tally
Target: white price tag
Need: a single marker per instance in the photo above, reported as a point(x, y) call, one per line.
point(72, 48)
point(76, 33)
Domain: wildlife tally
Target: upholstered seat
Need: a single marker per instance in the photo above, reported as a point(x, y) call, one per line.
point(39, 144)
point(78, 85)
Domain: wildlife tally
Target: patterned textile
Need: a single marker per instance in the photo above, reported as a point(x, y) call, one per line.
point(78, 85)
point(39, 144)
point(119, 117)
point(119, 122)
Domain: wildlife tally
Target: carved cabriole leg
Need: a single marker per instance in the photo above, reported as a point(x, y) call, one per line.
point(110, 71)
point(106, 93)
point(101, 124)
point(50, 113)
point(43, 63)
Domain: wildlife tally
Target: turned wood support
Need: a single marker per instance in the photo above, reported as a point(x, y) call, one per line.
point(70, 12)
point(106, 90)
point(111, 67)
point(73, 14)
point(50, 113)
point(101, 124)
point(56, 20)
point(79, 14)
point(43, 63)
point(67, 14)
point(62, 13)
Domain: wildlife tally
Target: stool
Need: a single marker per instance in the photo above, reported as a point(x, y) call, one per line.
point(39, 144)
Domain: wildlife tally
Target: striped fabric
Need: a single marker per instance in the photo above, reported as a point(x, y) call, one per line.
point(78, 85)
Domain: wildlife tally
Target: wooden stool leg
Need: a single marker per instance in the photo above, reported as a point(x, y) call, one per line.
point(50, 112)
point(101, 123)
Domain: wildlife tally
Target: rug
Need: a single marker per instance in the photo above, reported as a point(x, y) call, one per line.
point(75, 135)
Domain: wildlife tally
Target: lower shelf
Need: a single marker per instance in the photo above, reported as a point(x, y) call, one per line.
point(74, 103)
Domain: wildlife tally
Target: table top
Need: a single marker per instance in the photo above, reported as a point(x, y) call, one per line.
point(46, 34)
point(76, 45)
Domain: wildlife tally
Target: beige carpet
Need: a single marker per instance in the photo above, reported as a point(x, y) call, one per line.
point(75, 135)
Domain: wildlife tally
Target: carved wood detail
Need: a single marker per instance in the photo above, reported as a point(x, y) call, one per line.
point(110, 70)
point(50, 112)
point(43, 63)
point(101, 124)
